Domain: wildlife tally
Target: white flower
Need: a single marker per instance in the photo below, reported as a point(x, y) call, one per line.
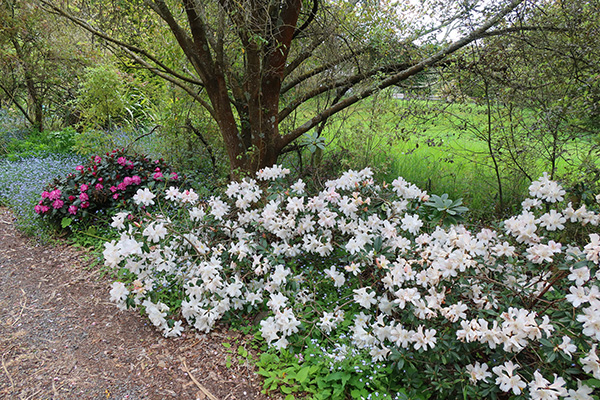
point(579, 275)
point(197, 214)
point(277, 301)
point(176, 330)
point(578, 296)
point(411, 223)
point(218, 207)
point(112, 254)
point(363, 298)
point(478, 372)
point(144, 197)
point(583, 392)
point(552, 221)
point(118, 221)
point(298, 187)
point(592, 249)
point(338, 278)
point(422, 339)
point(507, 380)
point(118, 294)
point(540, 388)
point(172, 193)
point(353, 268)
point(591, 363)
point(566, 346)
point(272, 173)
point(155, 232)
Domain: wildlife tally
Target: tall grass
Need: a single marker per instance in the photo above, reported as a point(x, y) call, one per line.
point(438, 146)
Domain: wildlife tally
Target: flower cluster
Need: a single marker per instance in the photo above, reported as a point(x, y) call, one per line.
point(513, 310)
point(105, 182)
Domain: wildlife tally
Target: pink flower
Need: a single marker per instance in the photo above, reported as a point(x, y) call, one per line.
point(54, 195)
point(122, 161)
point(72, 210)
point(122, 186)
point(58, 204)
point(45, 195)
point(83, 187)
point(136, 180)
point(84, 197)
point(97, 159)
point(158, 175)
point(127, 181)
point(85, 204)
point(100, 179)
point(99, 186)
point(71, 198)
point(174, 176)
point(116, 196)
point(79, 168)
point(41, 209)
point(113, 189)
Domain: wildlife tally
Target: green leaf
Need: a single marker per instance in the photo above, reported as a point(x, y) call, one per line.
point(302, 375)
point(286, 389)
point(66, 222)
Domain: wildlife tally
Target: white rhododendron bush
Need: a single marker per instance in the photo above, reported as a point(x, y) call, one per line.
point(512, 311)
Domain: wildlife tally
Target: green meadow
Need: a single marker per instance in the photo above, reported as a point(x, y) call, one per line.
point(441, 147)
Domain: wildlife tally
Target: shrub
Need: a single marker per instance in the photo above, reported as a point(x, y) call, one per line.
point(104, 183)
point(40, 143)
point(357, 271)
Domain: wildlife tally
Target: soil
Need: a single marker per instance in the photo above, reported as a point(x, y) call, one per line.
point(60, 338)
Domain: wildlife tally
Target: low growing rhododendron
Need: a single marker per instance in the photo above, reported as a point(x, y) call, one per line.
point(105, 183)
point(509, 311)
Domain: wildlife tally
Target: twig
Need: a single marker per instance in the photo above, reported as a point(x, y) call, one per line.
point(141, 136)
point(23, 306)
point(12, 384)
point(202, 388)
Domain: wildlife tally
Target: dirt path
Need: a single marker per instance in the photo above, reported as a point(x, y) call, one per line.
point(61, 339)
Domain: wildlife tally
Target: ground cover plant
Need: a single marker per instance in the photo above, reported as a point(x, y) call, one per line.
point(371, 290)
point(22, 180)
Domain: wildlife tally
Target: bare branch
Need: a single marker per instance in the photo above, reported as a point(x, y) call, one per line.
point(311, 17)
point(131, 48)
point(322, 68)
point(392, 80)
point(348, 81)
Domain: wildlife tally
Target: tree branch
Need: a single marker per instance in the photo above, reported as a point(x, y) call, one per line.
point(349, 81)
point(171, 79)
point(403, 75)
point(301, 78)
point(134, 49)
point(16, 103)
point(311, 17)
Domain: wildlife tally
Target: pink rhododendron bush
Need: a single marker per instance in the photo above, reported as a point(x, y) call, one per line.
point(106, 183)
point(361, 271)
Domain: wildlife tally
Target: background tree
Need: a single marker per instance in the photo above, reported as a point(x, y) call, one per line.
point(252, 64)
point(39, 60)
